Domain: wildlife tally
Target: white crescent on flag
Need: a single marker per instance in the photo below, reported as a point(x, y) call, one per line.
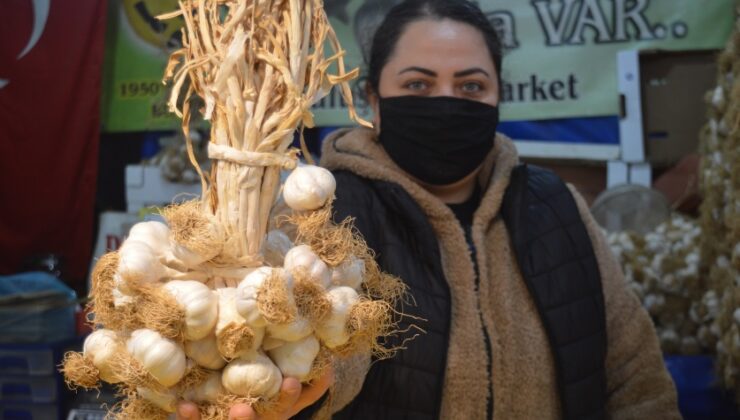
point(40, 16)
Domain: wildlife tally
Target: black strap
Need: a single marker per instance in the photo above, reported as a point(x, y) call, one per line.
point(557, 261)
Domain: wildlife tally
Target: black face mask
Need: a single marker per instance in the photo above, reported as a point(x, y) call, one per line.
point(438, 140)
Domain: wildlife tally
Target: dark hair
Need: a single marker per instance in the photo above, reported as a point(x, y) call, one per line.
point(395, 22)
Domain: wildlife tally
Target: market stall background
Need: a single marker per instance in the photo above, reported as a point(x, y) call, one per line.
point(560, 74)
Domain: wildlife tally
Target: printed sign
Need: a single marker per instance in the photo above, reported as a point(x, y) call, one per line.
point(559, 62)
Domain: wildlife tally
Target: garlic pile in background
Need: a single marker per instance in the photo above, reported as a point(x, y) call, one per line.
point(663, 269)
point(720, 211)
point(173, 159)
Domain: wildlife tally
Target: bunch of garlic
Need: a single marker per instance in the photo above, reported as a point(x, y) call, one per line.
point(720, 210)
point(173, 324)
point(662, 268)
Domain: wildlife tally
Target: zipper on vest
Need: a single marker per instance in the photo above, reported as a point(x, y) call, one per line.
point(486, 337)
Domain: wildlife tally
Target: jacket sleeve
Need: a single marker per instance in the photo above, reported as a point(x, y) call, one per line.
point(638, 384)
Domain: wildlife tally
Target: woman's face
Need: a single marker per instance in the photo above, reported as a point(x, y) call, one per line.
point(439, 58)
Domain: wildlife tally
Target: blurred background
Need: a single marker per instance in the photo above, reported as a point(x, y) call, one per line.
point(636, 103)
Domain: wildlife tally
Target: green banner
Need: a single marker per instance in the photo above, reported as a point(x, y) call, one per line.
point(137, 48)
point(560, 55)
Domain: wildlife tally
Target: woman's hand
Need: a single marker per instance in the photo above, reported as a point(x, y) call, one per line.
point(293, 398)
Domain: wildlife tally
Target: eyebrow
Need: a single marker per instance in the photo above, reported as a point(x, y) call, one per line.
point(462, 73)
point(418, 69)
point(468, 72)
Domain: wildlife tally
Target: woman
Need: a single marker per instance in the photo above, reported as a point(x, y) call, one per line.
point(426, 189)
point(521, 323)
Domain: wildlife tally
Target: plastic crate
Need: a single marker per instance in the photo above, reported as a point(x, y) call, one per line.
point(40, 359)
point(29, 411)
point(27, 360)
point(36, 389)
point(45, 322)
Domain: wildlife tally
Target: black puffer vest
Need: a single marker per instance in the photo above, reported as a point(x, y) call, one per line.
point(556, 260)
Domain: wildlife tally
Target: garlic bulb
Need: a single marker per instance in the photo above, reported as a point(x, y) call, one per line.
point(256, 376)
point(303, 257)
point(167, 401)
point(101, 347)
point(200, 305)
point(309, 187)
point(208, 391)
point(161, 357)
point(333, 331)
point(138, 261)
point(234, 337)
point(155, 234)
point(292, 331)
point(205, 352)
point(350, 273)
point(270, 343)
point(296, 359)
point(276, 245)
point(246, 296)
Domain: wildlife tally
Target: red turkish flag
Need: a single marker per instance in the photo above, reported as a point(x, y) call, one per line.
point(51, 55)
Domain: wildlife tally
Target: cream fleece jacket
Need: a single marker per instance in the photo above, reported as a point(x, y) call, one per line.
point(523, 371)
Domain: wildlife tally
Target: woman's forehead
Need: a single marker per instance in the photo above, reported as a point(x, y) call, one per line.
point(445, 44)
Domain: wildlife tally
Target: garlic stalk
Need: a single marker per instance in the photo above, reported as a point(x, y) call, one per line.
point(296, 359)
point(161, 357)
point(256, 376)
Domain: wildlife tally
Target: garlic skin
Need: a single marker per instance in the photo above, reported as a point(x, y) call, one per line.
point(119, 299)
point(155, 234)
point(101, 347)
point(208, 391)
point(167, 401)
point(228, 316)
point(246, 296)
point(303, 257)
point(276, 245)
point(270, 343)
point(255, 376)
point(140, 261)
point(161, 357)
point(292, 331)
point(333, 331)
point(350, 273)
point(199, 303)
point(296, 359)
point(205, 353)
point(309, 187)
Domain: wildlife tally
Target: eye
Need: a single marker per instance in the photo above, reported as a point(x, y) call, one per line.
point(472, 87)
point(416, 85)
